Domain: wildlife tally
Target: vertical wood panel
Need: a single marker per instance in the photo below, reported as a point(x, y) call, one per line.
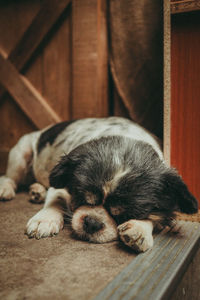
point(185, 100)
point(89, 59)
point(57, 68)
point(167, 82)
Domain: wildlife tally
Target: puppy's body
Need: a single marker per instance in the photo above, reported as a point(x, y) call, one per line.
point(69, 135)
point(111, 173)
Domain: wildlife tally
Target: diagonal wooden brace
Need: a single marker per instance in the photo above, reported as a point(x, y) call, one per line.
point(24, 93)
point(34, 35)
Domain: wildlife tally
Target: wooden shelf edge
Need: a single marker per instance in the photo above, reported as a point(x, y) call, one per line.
point(184, 6)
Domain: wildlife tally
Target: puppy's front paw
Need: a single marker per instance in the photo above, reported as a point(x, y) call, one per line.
point(37, 193)
point(7, 188)
point(137, 234)
point(47, 222)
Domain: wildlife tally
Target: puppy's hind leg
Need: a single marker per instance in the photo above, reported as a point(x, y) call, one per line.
point(49, 220)
point(19, 161)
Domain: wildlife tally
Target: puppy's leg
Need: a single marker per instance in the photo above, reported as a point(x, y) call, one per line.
point(49, 220)
point(37, 193)
point(137, 234)
point(19, 160)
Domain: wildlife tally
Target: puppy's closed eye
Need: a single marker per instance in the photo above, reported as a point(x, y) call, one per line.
point(116, 210)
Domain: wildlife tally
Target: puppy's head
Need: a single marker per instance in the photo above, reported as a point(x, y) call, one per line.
point(115, 179)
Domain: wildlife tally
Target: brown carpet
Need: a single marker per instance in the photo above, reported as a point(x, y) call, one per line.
point(53, 268)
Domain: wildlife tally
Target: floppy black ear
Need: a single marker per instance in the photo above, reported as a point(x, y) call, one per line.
point(177, 190)
point(62, 172)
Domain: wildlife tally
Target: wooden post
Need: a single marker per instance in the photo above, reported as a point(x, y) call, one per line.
point(89, 69)
point(167, 83)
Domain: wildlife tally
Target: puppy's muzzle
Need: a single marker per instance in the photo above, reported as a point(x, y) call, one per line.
point(92, 225)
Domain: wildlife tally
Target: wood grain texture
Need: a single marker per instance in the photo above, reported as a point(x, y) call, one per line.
point(188, 288)
point(181, 6)
point(42, 23)
point(185, 104)
point(90, 79)
point(56, 62)
point(48, 70)
point(35, 33)
point(29, 99)
point(167, 83)
point(15, 17)
point(14, 124)
point(155, 273)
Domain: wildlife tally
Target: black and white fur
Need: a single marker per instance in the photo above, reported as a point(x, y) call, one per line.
point(109, 173)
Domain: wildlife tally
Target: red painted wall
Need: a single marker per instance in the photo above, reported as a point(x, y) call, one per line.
point(185, 100)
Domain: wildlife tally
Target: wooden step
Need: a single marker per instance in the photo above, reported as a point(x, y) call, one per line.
point(155, 274)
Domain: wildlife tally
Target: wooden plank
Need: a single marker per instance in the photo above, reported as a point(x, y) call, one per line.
point(184, 6)
point(29, 99)
point(34, 35)
point(189, 288)
point(11, 131)
point(156, 273)
point(15, 18)
point(167, 83)
point(90, 59)
point(56, 62)
point(185, 104)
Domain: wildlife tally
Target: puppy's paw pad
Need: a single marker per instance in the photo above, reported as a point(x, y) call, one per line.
point(37, 193)
point(136, 235)
point(43, 225)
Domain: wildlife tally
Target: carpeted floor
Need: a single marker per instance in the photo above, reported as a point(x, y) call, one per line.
point(53, 268)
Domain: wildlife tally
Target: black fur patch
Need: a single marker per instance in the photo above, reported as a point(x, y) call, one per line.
point(51, 134)
point(148, 187)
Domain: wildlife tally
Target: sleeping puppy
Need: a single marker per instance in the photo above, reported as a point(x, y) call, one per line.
point(108, 174)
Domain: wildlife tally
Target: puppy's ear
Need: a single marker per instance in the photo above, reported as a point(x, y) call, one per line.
point(176, 189)
point(62, 172)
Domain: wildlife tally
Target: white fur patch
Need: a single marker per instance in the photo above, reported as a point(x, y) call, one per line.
point(7, 188)
point(137, 234)
point(107, 234)
point(56, 197)
point(37, 193)
point(47, 222)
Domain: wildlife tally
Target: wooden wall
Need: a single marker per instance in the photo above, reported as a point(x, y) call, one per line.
point(54, 65)
point(185, 98)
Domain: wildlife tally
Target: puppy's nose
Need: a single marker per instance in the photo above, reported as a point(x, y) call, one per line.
point(91, 225)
